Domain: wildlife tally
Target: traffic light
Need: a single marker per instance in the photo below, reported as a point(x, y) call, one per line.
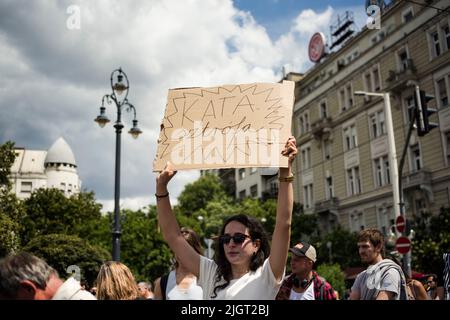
point(423, 113)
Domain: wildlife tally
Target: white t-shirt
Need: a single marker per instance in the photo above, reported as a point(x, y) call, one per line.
point(174, 292)
point(254, 285)
point(307, 295)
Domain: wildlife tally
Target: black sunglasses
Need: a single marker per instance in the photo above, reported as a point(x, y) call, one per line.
point(238, 238)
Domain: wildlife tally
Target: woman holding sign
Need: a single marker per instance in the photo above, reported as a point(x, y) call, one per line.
point(245, 268)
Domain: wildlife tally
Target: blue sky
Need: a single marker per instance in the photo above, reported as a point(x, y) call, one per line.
point(277, 15)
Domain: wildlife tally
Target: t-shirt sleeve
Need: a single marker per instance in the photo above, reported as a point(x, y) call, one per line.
point(357, 284)
point(268, 277)
point(208, 269)
point(391, 282)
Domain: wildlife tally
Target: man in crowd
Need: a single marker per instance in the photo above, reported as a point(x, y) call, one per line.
point(304, 283)
point(24, 276)
point(383, 279)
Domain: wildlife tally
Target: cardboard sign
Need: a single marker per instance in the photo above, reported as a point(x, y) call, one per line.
point(231, 126)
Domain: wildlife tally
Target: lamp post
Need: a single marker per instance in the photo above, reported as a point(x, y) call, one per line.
point(391, 144)
point(120, 87)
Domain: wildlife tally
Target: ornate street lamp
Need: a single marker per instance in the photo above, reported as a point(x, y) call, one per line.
point(120, 87)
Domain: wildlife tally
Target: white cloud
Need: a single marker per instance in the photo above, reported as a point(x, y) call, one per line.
point(53, 78)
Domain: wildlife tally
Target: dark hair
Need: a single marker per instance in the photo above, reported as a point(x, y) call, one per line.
point(193, 239)
point(257, 232)
point(374, 236)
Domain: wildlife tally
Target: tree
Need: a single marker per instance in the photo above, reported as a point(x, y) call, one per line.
point(61, 251)
point(7, 157)
point(48, 211)
point(343, 248)
point(334, 275)
point(143, 248)
point(196, 195)
point(431, 240)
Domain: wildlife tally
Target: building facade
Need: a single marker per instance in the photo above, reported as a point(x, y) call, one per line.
point(344, 172)
point(55, 168)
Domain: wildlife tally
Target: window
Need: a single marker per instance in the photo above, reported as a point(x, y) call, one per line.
point(326, 149)
point(357, 221)
point(241, 173)
point(26, 187)
point(415, 156)
point(342, 99)
point(242, 194)
point(436, 45)
point(407, 15)
point(304, 123)
point(353, 181)
point(306, 157)
point(329, 188)
point(349, 95)
point(376, 79)
point(69, 189)
point(273, 187)
point(410, 107)
point(446, 32)
point(382, 171)
point(442, 92)
point(403, 58)
point(254, 191)
point(385, 220)
point(350, 137)
point(323, 110)
point(377, 124)
point(308, 196)
point(62, 186)
point(447, 138)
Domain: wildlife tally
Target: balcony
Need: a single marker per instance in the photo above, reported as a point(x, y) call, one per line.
point(325, 206)
point(397, 79)
point(321, 128)
point(416, 180)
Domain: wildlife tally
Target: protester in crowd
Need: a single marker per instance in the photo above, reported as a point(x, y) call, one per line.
point(383, 279)
point(180, 283)
point(116, 282)
point(24, 276)
point(304, 283)
point(244, 266)
point(145, 291)
point(431, 286)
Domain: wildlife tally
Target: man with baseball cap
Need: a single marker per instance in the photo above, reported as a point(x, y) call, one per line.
point(304, 283)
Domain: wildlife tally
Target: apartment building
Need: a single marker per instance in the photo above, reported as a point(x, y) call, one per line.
point(343, 172)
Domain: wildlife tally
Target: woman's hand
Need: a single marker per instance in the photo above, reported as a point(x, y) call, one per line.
point(290, 151)
point(164, 177)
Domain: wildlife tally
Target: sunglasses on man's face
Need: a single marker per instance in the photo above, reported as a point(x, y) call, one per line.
point(238, 238)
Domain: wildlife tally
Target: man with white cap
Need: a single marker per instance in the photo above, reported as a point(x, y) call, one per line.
point(304, 283)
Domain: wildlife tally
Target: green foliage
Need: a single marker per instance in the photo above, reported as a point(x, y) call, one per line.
point(7, 156)
point(61, 251)
point(431, 240)
point(304, 226)
point(343, 248)
point(196, 195)
point(143, 249)
point(50, 212)
point(12, 211)
point(334, 275)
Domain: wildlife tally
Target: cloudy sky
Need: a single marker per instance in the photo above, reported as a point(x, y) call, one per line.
point(57, 57)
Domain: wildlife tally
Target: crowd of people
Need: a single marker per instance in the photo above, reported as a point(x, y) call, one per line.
point(246, 265)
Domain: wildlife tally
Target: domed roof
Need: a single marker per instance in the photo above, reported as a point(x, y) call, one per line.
point(60, 152)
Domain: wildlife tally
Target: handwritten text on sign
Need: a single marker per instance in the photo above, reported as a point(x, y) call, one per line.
point(230, 126)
